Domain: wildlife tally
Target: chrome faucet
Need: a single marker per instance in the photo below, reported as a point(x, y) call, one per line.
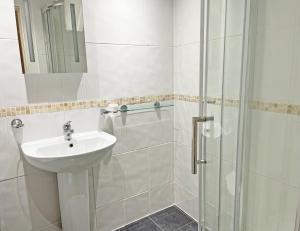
point(68, 131)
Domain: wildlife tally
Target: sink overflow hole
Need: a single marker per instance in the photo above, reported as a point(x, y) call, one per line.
point(71, 145)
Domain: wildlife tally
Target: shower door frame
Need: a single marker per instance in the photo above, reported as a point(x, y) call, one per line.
point(246, 87)
point(204, 100)
point(242, 113)
point(204, 22)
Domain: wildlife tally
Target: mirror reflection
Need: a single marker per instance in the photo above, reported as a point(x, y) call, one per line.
point(51, 36)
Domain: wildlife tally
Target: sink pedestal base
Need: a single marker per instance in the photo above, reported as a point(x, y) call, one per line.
point(74, 200)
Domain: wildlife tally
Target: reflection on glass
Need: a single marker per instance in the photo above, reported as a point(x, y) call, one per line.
point(51, 36)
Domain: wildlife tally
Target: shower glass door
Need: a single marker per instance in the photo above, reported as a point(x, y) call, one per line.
point(221, 49)
point(53, 20)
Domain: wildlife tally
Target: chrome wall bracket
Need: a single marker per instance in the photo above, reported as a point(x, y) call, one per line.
point(17, 123)
point(202, 161)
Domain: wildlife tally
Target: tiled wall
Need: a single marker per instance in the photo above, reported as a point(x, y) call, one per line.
point(273, 189)
point(129, 53)
point(138, 180)
point(186, 82)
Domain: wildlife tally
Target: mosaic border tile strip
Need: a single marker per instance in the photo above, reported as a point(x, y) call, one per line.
point(67, 106)
point(291, 109)
point(210, 100)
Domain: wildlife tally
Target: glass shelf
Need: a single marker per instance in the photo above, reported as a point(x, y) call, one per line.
point(156, 105)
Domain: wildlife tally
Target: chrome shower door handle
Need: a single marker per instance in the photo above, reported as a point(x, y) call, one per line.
point(195, 122)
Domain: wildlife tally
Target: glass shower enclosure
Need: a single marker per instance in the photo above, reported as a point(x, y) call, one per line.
point(221, 51)
point(249, 164)
point(64, 39)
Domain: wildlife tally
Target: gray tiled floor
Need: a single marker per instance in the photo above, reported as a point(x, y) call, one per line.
point(169, 219)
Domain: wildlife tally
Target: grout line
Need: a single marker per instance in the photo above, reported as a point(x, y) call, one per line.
point(8, 38)
point(154, 221)
point(130, 44)
point(187, 225)
point(119, 154)
point(12, 178)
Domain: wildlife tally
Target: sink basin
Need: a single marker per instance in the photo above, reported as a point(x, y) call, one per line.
point(57, 155)
point(72, 161)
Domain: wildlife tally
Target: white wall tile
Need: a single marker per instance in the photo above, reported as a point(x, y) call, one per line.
point(143, 129)
point(292, 158)
point(186, 69)
point(44, 88)
point(109, 182)
point(186, 201)
point(161, 164)
point(226, 222)
point(233, 67)
point(273, 65)
point(183, 113)
point(268, 132)
point(52, 227)
point(216, 19)
point(288, 207)
point(111, 216)
point(10, 156)
point(137, 177)
point(212, 179)
point(137, 207)
point(182, 169)
point(14, 209)
point(229, 133)
point(40, 185)
point(235, 17)
point(161, 197)
point(13, 91)
point(23, 205)
point(137, 70)
point(186, 21)
point(42, 126)
point(227, 191)
point(277, 14)
point(215, 68)
point(10, 59)
point(129, 22)
point(294, 96)
point(83, 120)
point(8, 22)
point(263, 197)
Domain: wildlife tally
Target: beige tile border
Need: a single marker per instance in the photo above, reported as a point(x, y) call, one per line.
point(291, 109)
point(66, 106)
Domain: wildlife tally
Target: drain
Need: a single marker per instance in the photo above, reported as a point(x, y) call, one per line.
point(71, 145)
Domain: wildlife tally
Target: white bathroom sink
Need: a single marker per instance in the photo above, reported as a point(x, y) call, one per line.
point(57, 155)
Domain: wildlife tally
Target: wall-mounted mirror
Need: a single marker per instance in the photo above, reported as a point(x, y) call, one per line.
point(51, 36)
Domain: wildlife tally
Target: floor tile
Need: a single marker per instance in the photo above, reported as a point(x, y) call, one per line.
point(171, 219)
point(142, 225)
point(189, 227)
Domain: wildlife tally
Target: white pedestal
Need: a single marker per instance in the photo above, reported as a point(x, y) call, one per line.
point(74, 201)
